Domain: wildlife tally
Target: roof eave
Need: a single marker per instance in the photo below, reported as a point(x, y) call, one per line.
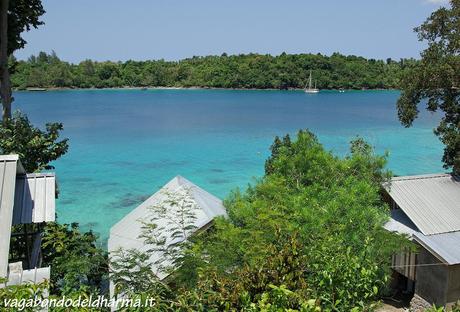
point(431, 250)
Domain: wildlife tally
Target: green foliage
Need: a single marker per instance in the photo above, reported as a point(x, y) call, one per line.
point(251, 285)
point(28, 295)
point(275, 149)
point(35, 147)
point(435, 80)
point(345, 279)
point(331, 206)
point(167, 231)
point(235, 71)
point(435, 309)
point(244, 289)
point(75, 257)
point(308, 236)
point(131, 273)
point(18, 16)
point(19, 292)
point(454, 308)
point(22, 15)
point(278, 299)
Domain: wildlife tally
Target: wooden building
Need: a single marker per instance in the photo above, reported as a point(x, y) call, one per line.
point(427, 209)
point(27, 202)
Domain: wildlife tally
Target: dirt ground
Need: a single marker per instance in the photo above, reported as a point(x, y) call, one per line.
point(399, 304)
point(390, 308)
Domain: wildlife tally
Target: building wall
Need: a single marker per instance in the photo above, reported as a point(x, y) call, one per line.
point(453, 291)
point(438, 284)
point(405, 264)
point(432, 278)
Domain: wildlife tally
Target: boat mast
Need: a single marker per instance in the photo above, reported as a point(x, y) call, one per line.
point(309, 83)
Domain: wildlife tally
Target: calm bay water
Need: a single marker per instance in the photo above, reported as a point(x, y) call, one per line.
point(125, 144)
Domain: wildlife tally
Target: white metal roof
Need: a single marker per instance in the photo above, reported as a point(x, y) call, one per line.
point(8, 170)
point(125, 234)
point(432, 202)
point(23, 199)
point(34, 200)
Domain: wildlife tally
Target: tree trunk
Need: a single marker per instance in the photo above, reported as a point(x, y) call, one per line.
point(5, 83)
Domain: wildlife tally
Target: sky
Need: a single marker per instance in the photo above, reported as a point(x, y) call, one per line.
point(174, 29)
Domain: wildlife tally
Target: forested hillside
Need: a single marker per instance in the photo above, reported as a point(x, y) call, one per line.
point(226, 71)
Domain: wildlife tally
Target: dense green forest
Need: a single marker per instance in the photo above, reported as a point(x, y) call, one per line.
point(226, 71)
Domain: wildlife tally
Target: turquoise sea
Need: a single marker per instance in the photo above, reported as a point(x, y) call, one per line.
point(125, 144)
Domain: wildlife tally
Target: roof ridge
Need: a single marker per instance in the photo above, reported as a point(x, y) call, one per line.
point(9, 157)
point(182, 180)
point(423, 176)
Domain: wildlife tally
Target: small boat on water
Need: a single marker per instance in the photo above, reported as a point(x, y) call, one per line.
point(310, 88)
point(36, 89)
point(341, 90)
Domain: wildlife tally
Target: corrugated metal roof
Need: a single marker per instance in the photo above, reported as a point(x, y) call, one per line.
point(34, 200)
point(432, 202)
point(445, 246)
point(400, 223)
point(23, 199)
point(125, 234)
point(8, 170)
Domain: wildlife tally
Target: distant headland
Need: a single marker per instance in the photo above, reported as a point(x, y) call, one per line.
point(244, 71)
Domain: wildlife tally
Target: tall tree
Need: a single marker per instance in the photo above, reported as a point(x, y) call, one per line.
point(16, 16)
point(5, 88)
point(436, 80)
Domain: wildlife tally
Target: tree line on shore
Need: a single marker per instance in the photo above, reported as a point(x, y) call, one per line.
point(247, 71)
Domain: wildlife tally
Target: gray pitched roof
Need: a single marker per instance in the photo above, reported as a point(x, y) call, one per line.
point(125, 234)
point(400, 223)
point(432, 202)
point(445, 246)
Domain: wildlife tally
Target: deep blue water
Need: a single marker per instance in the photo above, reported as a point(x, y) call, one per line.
point(125, 144)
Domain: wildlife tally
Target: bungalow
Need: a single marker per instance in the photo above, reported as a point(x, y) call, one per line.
point(126, 233)
point(27, 201)
point(427, 209)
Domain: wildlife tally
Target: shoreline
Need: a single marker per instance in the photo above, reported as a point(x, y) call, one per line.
point(40, 89)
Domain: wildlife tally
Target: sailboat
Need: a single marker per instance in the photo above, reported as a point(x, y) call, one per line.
point(310, 89)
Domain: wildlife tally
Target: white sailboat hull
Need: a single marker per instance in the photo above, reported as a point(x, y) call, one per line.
point(310, 88)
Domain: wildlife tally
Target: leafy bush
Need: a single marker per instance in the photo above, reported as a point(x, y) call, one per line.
point(36, 148)
point(331, 205)
point(27, 291)
point(76, 259)
point(455, 308)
